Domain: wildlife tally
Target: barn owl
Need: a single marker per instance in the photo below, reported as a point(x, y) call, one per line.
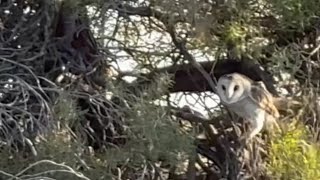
point(249, 100)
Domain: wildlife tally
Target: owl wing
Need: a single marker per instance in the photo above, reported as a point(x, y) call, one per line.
point(260, 95)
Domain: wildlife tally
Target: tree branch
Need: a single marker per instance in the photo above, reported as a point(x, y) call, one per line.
point(187, 78)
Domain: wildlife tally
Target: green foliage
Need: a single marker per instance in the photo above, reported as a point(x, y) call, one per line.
point(292, 156)
point(295, 13)
point(57, 148)
point(235, 33)
point(153, 133)
point(65, 110)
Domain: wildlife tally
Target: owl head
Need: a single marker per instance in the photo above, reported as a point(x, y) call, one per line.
point(231, 87)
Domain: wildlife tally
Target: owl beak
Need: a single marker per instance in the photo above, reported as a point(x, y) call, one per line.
point(228, 95)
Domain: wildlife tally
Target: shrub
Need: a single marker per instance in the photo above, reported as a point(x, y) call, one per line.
point(294, 156)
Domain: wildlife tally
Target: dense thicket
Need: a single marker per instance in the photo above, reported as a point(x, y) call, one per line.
point(125, 89)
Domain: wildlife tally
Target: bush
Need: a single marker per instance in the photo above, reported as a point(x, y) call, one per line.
point(294, 156)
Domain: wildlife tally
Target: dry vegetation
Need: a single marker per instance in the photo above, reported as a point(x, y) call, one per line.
point(70, 108)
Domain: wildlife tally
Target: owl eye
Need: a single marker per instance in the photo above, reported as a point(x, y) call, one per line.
point(236, 87)
point(223, 87)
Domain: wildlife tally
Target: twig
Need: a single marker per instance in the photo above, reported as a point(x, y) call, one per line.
point(181, 46)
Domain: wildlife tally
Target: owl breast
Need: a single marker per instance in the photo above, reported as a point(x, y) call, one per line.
point(245, 108)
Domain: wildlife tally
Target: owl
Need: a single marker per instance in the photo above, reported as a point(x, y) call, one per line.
point(248, 99)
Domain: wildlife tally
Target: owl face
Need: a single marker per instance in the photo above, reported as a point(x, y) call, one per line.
point(230, 88)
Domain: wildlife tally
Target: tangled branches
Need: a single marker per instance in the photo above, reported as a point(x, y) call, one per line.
point(42, 42)
point(25, 102)
point(60, 169)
